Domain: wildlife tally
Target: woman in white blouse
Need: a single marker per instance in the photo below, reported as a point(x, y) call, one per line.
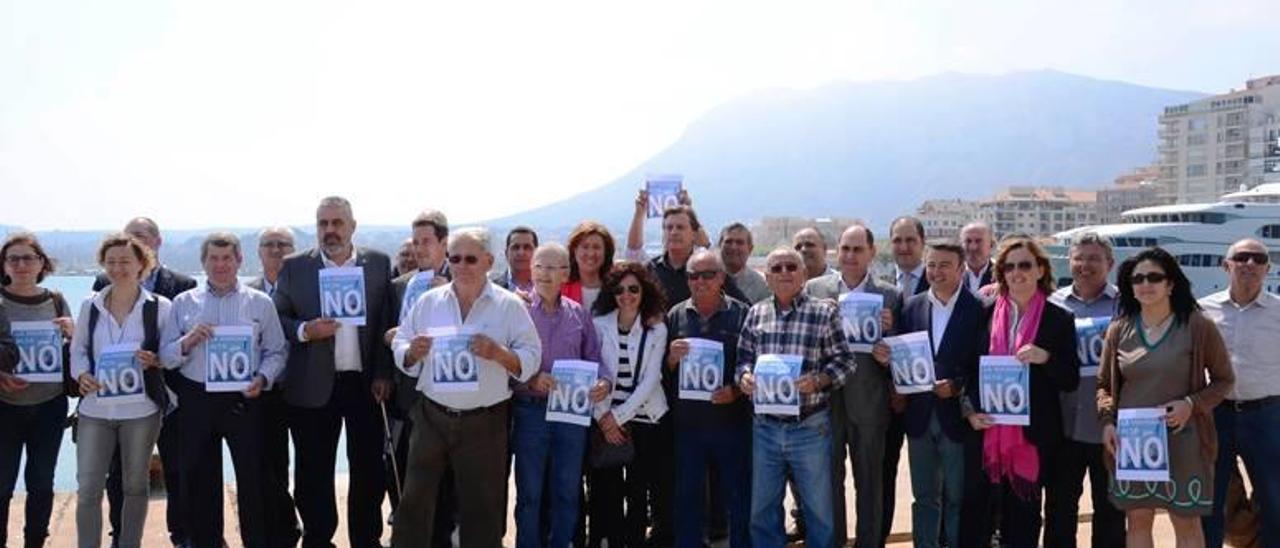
point(104, 423)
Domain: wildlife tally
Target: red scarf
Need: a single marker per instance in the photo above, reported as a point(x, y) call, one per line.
point(1006, 453)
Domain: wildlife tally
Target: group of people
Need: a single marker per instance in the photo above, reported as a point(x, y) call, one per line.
point(441, 434)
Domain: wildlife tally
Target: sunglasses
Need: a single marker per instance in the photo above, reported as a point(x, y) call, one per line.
point(1149, 277)
point(1250, 257)
point(1024, 266)
point(620, 289)
point(789, 267)
point(704, 275)
point(469, 259)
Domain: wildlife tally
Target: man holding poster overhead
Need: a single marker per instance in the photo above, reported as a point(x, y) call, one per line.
point(793, 326)
point(337, 370)
point(231, 349)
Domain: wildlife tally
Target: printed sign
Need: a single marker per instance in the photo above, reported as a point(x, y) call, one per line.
point(861, 318)
point(342, 294)
point(570, 401)
point(702, 370)
point(119, 375)
point(1142, 453)
point(39, 351)
point(417, 285)
point(776, 392)
point(664, 192)
point(1004, 387)
point(230, 359)
point(453, 367)
point(1090, 334)
point(911, 362)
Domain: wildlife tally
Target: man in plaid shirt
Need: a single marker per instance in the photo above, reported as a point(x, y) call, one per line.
point(793, 323)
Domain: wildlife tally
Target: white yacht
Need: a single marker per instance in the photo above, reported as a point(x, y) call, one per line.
point(1197, 234)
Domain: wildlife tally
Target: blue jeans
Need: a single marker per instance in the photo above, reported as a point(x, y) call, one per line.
point(804, 449)
point(548, 454)
point(38, 428)
point(728, 451)
point(1254, 436)
point(937, 471)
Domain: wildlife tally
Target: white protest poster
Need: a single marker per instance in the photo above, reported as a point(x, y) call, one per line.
point(417, 285)
point(664, 192)
point(702, 369)
point(1142, 452)
point(775, 377)
point(119, 375)
point(453, 366)
point(911, 362)
point(231, 359)
point(1090, 334)
point(39, 351)
point(860, 313)
point(570, 401)
point(342, 294)
point(1004, 390)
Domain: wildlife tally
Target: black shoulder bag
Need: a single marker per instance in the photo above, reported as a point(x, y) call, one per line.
point(607, 455)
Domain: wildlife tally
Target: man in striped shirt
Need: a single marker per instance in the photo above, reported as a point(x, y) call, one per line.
point(792, 323)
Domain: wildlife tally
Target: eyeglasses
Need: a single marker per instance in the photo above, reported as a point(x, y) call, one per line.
point(1024, 266)
point(469, 259)
point(546, 267)
point(703, 275)
point(1254, 257)
point(620, 289)
point(15, 260)
point(805, 245)
point(1149, 277)
point(276, 245)
point(789, 267)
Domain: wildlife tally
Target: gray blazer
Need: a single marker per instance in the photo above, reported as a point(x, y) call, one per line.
point(866, 393)
point(309, 372)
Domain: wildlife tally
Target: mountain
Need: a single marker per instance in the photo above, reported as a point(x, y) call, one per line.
point(876, 150)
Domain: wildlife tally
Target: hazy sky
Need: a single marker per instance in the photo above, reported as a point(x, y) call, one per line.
point(239, 113)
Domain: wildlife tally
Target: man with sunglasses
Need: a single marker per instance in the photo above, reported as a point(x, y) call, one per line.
point(336, 373)
point(1248, 421)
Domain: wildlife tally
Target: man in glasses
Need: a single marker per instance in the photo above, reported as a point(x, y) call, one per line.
point(795, 324)
point(1248, 421)
point(274, 244)
point(463, 426)
point(813, 248)
point(336, 373)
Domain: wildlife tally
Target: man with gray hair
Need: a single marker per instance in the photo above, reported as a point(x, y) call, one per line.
point(473, 339)
point(735, 251)
point(977, 239)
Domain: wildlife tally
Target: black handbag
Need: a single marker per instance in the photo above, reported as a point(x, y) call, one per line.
point(607, 455)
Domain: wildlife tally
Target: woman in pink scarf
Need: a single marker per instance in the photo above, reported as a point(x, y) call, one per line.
point(1041, 335)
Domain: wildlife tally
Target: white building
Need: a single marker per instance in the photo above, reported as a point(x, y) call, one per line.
point(943, 219)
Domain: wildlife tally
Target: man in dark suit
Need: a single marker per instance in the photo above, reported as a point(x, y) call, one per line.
point(336, 373)
point(977, 239)
point(859, 409)
point(953, 318)
point(169, 284)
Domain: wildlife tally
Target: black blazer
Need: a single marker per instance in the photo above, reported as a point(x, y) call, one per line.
point(168, 283)
point(1057, 335)
point(963, 341)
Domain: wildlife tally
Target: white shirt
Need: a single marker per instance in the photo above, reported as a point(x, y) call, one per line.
point(240, 306)
point(346, 340)
point(972, 280)
point(908, 280)
point(589, 296)
point(1249, 332)
point(496, 313)
point(268, 287)
point(940, 314)
point(110, 332)
point(860, 288)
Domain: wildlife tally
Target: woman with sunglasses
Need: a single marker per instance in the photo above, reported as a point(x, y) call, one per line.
point(629, 322)
point(1156, 354)
point(1009, 469)
point(591, 250)
point(32, 415)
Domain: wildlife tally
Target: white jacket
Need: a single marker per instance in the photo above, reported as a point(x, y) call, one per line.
point(647, 394)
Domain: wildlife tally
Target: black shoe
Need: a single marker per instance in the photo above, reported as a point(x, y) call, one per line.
point(796, 534)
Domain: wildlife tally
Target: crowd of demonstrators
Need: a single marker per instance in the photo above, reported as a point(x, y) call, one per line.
point(443, 373)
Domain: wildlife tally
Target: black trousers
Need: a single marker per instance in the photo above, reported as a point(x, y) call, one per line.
point(315, 440)
point(625, 500)
point(895, 437)
point(988, 506)
point(282, 522)
point(1064, 485)
point(207, 420)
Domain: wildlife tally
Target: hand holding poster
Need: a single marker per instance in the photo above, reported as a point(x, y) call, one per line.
point(417, 285)
point(1004, 387)
point(342, 294)
point(39, 351)
point(911, 362)
point(119, 375)
point(231, 359)
point(1090, 334)
point(664, 192)
point(570, 401)
point(702, 369)
point(776, 392)
point(1142, 448)
point(860, 313)
point(453, 367)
